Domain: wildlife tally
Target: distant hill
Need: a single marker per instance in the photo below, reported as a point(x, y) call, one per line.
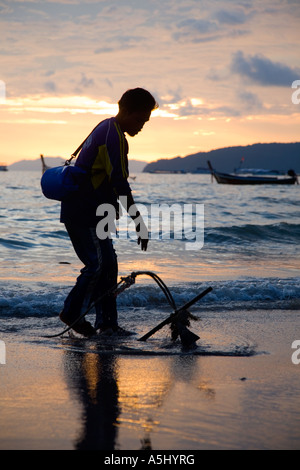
point(135, 166)
point(274, 156)
point(31, 165)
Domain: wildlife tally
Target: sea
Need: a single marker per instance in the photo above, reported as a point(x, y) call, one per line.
point(240, 241)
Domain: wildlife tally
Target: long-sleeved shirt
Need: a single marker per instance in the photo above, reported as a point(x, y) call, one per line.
point(104, 156)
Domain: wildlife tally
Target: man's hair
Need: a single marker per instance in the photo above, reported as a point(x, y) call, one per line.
point(136, 100)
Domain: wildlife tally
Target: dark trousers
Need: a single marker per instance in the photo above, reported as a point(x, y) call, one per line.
point(99, 274)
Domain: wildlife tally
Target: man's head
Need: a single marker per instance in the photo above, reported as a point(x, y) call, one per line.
point(135, 108)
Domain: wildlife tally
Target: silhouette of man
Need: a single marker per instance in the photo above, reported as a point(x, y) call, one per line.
point(104, 156)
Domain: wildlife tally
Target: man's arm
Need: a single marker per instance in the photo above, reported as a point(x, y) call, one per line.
point(118, 156)
point(140, 227)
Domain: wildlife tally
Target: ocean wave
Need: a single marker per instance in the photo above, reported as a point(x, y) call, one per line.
point(229, 295)
point(280, 233)
point(55, 234)
point(247, 294)
point(16, 244)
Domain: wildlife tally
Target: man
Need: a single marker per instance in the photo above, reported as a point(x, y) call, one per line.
point(104, 157)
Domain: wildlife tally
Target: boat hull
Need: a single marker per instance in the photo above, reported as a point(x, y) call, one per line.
point(222, 178)
point(226, 178)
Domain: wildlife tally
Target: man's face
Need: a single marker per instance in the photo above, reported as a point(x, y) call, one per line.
point(134, 122)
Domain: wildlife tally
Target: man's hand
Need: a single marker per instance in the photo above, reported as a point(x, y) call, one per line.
point(140, 227)
point(143, 242)
point(142, 232)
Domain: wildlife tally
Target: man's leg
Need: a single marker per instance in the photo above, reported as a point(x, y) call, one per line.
point(97, 277)
point(106, 309)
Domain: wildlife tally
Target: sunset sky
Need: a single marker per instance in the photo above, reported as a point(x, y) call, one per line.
point(221, 70)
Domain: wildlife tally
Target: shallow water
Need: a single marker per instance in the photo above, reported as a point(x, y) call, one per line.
point(160, 394)
point(71, 394)
point(242, 225)
point(249, 258)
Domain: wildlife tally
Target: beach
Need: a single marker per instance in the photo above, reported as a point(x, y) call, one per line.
point(238, 389)
point(66, 398)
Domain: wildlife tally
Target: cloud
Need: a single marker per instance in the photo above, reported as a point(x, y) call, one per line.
point(215, 25)
point(97, 49)
point(250, 100)
point(196, 30)
point(233, 17)
point(86, 82)
point(50, 86)
point(104, 50)
point(63, 104)
point(172, 106)
point(261, 70)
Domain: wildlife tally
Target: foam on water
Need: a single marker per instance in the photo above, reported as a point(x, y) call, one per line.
point(45, 300)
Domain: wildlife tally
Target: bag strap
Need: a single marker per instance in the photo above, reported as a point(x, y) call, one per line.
point(74, 154)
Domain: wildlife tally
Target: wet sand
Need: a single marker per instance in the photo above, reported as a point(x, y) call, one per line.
point(56, 398)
